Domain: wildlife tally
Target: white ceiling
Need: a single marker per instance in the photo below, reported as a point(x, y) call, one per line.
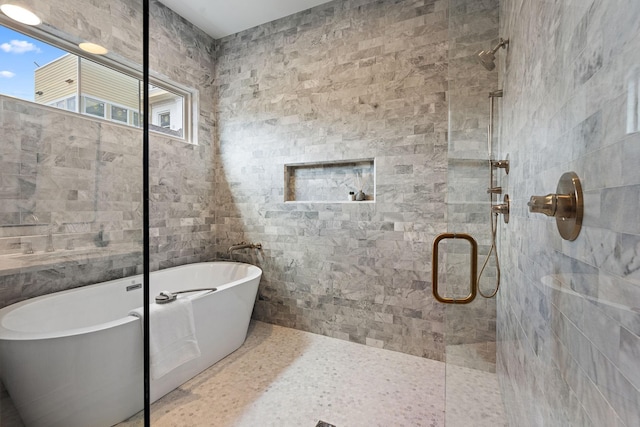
point(219, 18)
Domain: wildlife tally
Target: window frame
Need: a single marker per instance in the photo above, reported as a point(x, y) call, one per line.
point(162, 114)
point(97, 100)
point(126, 116)
point(190, 101)
point(135, 121)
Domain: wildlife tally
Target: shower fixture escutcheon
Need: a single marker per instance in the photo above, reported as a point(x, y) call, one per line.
point(503, 208)
point(500, 164)
point(566, 205)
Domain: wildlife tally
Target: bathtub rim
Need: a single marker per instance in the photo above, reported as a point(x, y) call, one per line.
point(7, 334)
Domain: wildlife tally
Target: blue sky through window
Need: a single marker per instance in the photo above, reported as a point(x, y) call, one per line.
point(19, 55)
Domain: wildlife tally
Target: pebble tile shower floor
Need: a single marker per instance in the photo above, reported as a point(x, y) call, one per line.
point(285, 377)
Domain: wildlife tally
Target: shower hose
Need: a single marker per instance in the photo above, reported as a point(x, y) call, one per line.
point(494, 249)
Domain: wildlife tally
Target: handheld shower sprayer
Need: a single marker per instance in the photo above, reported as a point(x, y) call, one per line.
point(487, 58)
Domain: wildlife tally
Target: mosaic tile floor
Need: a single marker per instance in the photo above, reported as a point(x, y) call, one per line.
point(283, 377)
point(473, 398)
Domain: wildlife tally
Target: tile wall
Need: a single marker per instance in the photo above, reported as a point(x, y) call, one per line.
point(568, 318)
point(82, 177)
point(346, 80)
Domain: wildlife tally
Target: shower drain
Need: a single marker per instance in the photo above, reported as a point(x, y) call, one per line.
point(324, 424)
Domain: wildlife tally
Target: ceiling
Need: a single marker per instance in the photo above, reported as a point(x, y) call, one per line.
point(220, 18)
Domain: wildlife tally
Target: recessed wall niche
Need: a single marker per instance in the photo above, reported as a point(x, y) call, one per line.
point(330, 181)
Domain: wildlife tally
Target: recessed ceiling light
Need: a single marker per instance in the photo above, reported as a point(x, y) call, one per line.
point(20, 14)
point(96, 49)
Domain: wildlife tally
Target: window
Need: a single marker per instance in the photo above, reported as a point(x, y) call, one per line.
point(93, 107)
point(65, 104)
point(165, 119)
point(106, 89)
point(167, 111)
point(71, 103)
point(119, 114)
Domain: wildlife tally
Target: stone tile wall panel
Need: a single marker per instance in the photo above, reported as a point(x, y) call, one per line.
point(345, 80)
point(566, 319)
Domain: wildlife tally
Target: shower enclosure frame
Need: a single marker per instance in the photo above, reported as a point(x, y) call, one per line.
point(145, 213)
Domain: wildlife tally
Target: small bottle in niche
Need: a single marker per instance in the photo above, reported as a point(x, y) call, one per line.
point(352, 196)
point(360, 196)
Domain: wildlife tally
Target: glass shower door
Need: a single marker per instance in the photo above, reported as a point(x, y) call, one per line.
point(472, 393)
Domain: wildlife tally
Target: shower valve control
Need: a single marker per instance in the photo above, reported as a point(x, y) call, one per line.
point(566, 205)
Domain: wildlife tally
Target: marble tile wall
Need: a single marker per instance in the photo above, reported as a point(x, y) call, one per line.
point(568, 318)
point(115, 25)
point(83, 177)
point(182, 175)
point(346, 80)
point(66, 175)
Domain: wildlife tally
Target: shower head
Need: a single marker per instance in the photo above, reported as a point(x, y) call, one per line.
point(487, 58)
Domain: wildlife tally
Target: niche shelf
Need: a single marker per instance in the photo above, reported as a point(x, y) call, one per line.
point(330, 181)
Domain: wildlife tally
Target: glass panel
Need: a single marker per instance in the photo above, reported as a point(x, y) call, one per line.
point(470, 329)
point(20, 73)
point(46, 74)
point(70, 219)
point(119, 114)
point(93, 107)
point(167, 111)
point(71, 104)
point(165, 120)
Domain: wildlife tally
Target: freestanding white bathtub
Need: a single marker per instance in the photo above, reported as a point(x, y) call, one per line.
point(75, 358)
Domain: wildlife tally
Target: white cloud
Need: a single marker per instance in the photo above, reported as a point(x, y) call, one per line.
point(7, 74)
point(19, 46)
